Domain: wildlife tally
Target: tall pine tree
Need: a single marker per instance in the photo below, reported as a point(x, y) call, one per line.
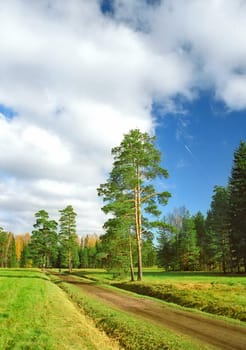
point(129, 191)
point(68, 239)
point(44, 240)
point(237, 203)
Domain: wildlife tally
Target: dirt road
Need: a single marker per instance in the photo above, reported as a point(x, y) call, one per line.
point(209, 331)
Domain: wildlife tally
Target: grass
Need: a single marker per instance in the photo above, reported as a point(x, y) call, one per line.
point(132, 333)
point(36, 314)
point(218, 294)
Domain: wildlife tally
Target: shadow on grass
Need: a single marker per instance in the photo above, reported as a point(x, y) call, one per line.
point(175, 274)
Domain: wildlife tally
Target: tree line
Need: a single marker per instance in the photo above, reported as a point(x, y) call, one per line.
point(136, 234)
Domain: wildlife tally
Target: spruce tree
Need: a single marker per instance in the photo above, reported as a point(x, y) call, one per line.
point(237, 203)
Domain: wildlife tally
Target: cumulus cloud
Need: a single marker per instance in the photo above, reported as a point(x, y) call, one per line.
point(77, 80)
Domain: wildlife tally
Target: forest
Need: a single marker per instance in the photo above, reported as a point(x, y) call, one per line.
point(136, 234)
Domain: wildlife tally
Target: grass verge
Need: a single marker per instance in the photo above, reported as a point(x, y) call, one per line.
point(215, 299)
point(37, 315)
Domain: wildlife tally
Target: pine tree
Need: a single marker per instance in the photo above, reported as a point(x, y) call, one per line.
point(44, 240)
point(237, 202)
point(218, 229)
point(202, 238)
point(129, 191)
point(68, 238)
point(3, 243)
point(188, 249)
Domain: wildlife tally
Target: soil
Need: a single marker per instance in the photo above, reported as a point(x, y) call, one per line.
point(209, 331)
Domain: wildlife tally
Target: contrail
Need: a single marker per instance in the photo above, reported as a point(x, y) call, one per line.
point(189, 150)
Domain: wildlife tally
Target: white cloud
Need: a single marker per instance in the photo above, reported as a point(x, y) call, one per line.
point(79, 80)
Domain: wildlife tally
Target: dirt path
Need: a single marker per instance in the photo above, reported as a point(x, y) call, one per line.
point(213, 332)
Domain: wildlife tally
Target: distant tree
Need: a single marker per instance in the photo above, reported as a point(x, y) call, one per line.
point(129, 191)
point(188, 248)
point(237, 205)
point(149, 253)
point(68, 238)
point(167, 247)
point(20, 242)
point(43, 244)
point(11, 253)
point(177, 242)
point(3, 244)
point(202, 239)
point(25, 258)
point(218, 229)
point(83, 257)
point(7, 249)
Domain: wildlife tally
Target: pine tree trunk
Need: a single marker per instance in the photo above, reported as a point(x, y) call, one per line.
point(138, 220)
point(70, 260)
point(138, 237)
point(131, 259)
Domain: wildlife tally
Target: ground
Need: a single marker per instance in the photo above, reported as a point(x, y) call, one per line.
point(207, 330)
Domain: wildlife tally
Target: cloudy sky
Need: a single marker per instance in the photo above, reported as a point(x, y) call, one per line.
point(76, 75)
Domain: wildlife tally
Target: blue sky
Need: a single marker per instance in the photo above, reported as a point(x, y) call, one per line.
point(199, 155)
point(77, 75)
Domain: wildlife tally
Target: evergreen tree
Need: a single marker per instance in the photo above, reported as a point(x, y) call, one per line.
point(188, 249)
point(12, 261)
point(218, 230)
point(237, 203)
point(3, 244)
point(25, 258)
point(43, 244)
point(202, 239)
point(129, 191)
point(117, 244)
point(166, 250)
point(68, 238)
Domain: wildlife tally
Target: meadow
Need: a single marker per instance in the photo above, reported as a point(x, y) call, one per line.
point(36, 314)
point(39, 311)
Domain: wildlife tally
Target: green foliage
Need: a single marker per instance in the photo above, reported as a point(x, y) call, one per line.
point(217, 223)
point(178, 249)
point(3, 243)
point(25, 256)
point(43, 244)
point(237, 202)
point(129, 193)
point(7, 249)
point(202, 239)
point(68, 239)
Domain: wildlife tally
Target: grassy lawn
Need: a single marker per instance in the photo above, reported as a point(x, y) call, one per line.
point(214, 293)
point(36, 314)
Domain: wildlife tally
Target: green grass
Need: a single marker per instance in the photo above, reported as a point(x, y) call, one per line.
point(36, 314)
point(132, 333)
point(215, 293)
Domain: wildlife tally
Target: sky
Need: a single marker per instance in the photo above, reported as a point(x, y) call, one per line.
point(77, 75)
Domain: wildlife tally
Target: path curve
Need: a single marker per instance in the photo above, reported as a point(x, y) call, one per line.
point(209, 331)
